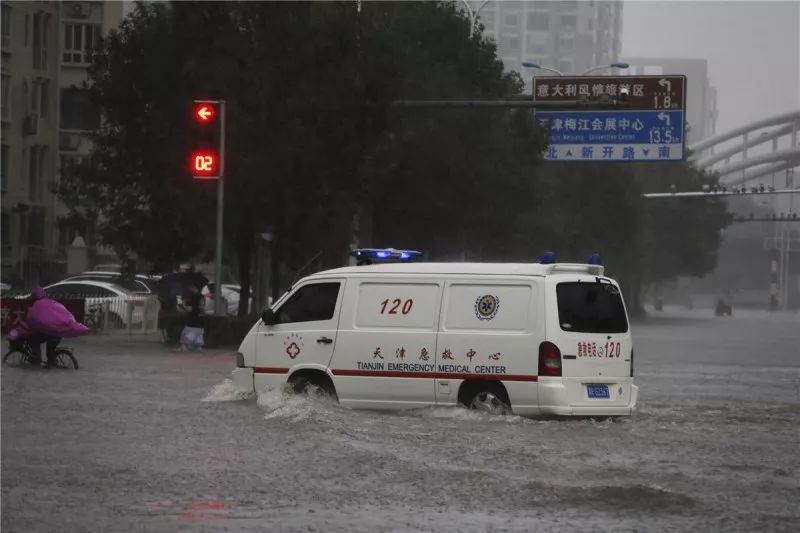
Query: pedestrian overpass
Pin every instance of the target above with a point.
(742, 155)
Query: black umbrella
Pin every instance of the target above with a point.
(180, 283)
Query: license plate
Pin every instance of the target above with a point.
(597, 391)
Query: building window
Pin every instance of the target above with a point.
(5, 231)
(4, 168)
(6, 24)
(41, 23)
(36, 171)
(5, 111)
(44, 94)
(512, 20)
(36, 225)
(569, 21)
(80, 42)
(77, 110)
(538, 21)
(566, 44)
(536, 48)
(510, 44)
(33, 174)
(34, 105)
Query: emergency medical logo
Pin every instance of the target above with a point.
(294, 344)
(486, 306)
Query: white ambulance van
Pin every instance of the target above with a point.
(532, 339)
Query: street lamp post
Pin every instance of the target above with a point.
(473, 15)
(532, 64)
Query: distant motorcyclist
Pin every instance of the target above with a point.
(47, 322)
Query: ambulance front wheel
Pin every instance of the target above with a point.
(490, 398)
(313, 383)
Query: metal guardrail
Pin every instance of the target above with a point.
(134, 314)
(128, 315)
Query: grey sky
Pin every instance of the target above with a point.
(752, 48)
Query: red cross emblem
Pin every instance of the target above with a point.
(293, 350)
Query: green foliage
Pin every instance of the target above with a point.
(312, 143)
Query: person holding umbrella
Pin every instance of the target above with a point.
(192, 335)
(171, 288)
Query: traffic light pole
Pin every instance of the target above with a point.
(218, 311)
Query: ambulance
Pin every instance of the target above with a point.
(531, 339)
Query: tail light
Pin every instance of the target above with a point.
(631, 362)
(549, 359)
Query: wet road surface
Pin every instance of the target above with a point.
(127, 443)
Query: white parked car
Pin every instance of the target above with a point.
(230, 295)
(138, 285)
(98, 295)
(533, 339)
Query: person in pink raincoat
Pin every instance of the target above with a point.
(48, 322)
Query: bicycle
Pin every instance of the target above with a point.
(20, 354)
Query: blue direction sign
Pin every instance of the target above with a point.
(613, 135)
(650, 128)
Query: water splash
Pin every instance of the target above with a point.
(313, 404)
(226, 392)
(459, 413)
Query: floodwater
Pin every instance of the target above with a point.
(141, 439)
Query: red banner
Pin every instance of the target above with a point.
(13, 310)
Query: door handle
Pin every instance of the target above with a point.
(324, 340)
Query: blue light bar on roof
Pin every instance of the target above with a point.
(548, 258)
(369, 255)
(594, 259)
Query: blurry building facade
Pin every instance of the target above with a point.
(30, 68)
(568, 36)
(46, 119)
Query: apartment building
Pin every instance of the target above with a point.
(47, 48)
(568, 36)
(30, 69)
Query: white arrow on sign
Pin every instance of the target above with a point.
(665, 83)
(663, 116)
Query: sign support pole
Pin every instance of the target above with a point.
(218, 311)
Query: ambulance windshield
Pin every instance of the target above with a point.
(591, 308)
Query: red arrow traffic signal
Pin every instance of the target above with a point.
(204, 112)
(205, 136)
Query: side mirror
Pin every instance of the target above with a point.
(268, 316)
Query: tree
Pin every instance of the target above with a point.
(308, 87)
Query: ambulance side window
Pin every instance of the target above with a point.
(313, 302)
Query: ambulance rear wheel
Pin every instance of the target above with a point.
(490, 398)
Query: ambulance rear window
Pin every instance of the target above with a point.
(591, 308)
